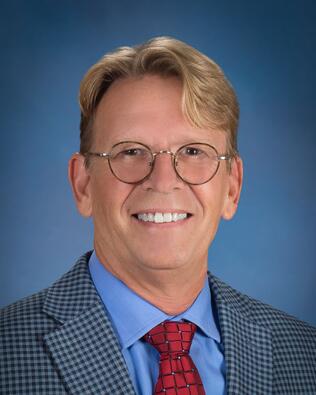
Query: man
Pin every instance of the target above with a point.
(158, 168)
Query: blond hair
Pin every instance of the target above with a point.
(208, 99)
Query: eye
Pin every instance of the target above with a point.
(192, 151)
(132, 152)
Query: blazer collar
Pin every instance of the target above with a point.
(84, 347)
(247, 345)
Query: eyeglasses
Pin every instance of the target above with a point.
(133, 162)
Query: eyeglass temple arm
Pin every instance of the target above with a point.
(225, 157)
(99, 154)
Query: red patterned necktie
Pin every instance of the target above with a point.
(177, 372)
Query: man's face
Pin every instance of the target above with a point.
(148, 110)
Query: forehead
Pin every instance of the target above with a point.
(146, 109)
(135, 98)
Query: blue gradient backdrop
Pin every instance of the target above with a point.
(267, 50)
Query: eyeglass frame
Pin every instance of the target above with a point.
(107, 155)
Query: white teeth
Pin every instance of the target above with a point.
(160, 218)
(167, 217)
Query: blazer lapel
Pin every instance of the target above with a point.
(247, 345)
(84, 348)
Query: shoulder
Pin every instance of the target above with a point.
(23, 314)
(258, 311)
(34, 310)
(29, 319)
(288, 332)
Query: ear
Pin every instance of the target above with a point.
(235, 178)
(79, 179)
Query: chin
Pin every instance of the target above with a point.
(164, 260)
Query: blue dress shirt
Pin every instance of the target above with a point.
(133, 317)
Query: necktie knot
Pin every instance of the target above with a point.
(171, 337)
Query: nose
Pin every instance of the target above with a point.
(163, 177)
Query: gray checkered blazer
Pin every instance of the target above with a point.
(61, 341)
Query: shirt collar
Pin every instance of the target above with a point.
(133, 316)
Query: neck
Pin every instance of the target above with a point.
(171, 290)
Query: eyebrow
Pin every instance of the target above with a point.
(178, 144)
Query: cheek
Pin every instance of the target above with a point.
(108, 198)
(211, 197)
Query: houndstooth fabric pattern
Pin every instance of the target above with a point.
(61, 341)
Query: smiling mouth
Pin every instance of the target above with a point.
(161, 218)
